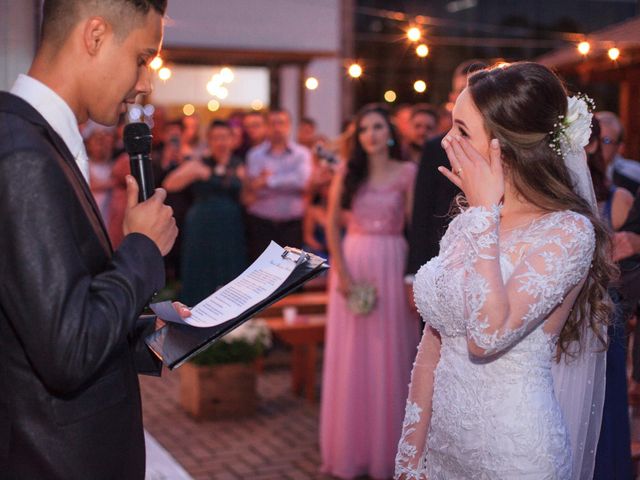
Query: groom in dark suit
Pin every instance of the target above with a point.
(434, 193)
(70, 338)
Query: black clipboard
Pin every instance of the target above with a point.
(175, 343)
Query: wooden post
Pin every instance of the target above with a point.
(274, 86)
(302, 91)
(347, 52)
(629, 107)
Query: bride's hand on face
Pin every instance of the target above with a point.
(481, 179)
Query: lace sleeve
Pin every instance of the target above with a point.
(412, 447)
(498, 313)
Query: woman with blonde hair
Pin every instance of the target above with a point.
(508, 380)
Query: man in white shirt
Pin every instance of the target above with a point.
(70, 338)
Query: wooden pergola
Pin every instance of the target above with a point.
(596, 66)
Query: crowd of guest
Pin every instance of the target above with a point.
(242, 183)
(374, 201)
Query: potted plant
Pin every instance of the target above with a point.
(220, 382)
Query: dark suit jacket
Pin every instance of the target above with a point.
(69, 332)
(632, 224)
(434, 195)
(625, 182)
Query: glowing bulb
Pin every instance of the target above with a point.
(614, 53)
(420, 86)
(390, 96)
(257, 105)
(156, 63)
(355, 70)
(422, 50)
(227, 75)
(213, 105)
(135, 113)
(188, 109)
(584, 47)
(149, 110)
(222, 93)
(164, 73)
(414, 34)
(311, 83)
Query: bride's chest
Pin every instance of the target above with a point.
(442, 283)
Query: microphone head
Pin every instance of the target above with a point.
(137, 138)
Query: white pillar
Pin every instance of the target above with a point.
(324, 103)
(18, 32)
(289, 91)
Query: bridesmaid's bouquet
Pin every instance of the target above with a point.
(362, 298)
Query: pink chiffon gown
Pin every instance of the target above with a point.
(368, 359)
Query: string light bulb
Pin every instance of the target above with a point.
(311, 83)
(213, 105)
(614, 53)
(584, 47)
(222, 93)
(420, 86)
(414, 34)
(390, 96)
(227, 75)
(355, 70)
(188, 109)
(165, 73)
(422, 50)
(156, 63)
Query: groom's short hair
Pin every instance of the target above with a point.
(59, 17)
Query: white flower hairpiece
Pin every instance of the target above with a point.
(572, 131)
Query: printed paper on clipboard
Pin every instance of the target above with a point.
(254, 285)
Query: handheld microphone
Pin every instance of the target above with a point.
(137, 143)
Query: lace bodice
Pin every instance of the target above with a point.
(497, 301)
(375, 209)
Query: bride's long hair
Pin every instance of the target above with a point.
(520, 104)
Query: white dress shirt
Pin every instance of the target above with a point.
(57, 113)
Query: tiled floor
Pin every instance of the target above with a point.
(279, 442)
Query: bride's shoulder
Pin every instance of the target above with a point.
(571, 227)
(570, 221)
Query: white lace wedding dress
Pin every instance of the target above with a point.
(481, 402)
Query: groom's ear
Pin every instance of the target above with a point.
(94, 34)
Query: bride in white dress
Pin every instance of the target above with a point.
(516, 299)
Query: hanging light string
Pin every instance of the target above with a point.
(552, 39)
(478, 27)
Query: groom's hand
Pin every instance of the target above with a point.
(182, 310)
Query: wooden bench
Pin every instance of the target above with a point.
(304, 336)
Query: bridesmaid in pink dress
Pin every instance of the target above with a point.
(368, 358)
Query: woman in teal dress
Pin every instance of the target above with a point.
(213, 250)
